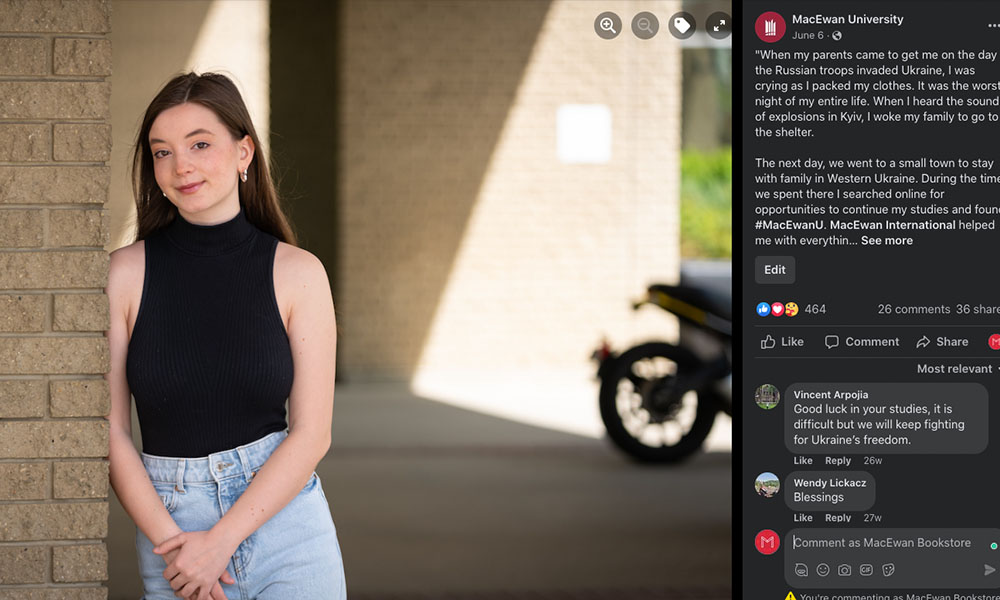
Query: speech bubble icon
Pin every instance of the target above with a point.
(832, 341)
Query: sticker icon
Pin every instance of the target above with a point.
(764, 309)
(777, 309)
(791, 309)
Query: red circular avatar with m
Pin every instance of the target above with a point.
(767, 542)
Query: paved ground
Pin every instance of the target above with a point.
(434, 501)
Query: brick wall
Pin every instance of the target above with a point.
(55, 142)
(464, 242)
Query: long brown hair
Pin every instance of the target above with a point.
(258, 196)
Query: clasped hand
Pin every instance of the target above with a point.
(196, 563)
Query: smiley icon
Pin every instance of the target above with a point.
(777, 309)
(791, 309)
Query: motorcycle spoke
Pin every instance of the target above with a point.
(638, 422)
(653, 368)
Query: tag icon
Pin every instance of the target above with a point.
(682, 25)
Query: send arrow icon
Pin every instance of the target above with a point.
(988, 569)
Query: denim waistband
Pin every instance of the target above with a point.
(242, 461)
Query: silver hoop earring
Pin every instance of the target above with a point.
(243, 175)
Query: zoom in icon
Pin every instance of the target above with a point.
(608, 25)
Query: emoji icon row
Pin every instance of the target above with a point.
(777, 309)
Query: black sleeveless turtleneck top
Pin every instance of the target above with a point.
(209, 362)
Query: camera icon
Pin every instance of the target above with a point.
(844, 570)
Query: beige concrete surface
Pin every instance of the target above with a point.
(434, 501)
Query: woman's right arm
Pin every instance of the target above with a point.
(128, 475)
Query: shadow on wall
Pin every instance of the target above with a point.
(427, 90)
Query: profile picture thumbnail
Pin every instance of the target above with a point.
(767, 485)
(770, 27)
(767, 396)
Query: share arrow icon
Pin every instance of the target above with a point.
(988, 570)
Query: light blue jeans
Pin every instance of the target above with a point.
(295, 554)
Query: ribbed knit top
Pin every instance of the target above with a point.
(209, 361)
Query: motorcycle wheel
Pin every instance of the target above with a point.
(647, 411)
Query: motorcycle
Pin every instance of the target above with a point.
(658, 400)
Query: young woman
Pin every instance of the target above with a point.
(216, 319)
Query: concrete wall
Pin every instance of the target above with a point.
(55, 60)
(464, 242)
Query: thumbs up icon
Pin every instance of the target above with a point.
(767, 343)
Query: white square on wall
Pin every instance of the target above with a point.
(583, 133)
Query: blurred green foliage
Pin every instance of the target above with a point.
(707, 203)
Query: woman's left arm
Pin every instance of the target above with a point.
(312, 335)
